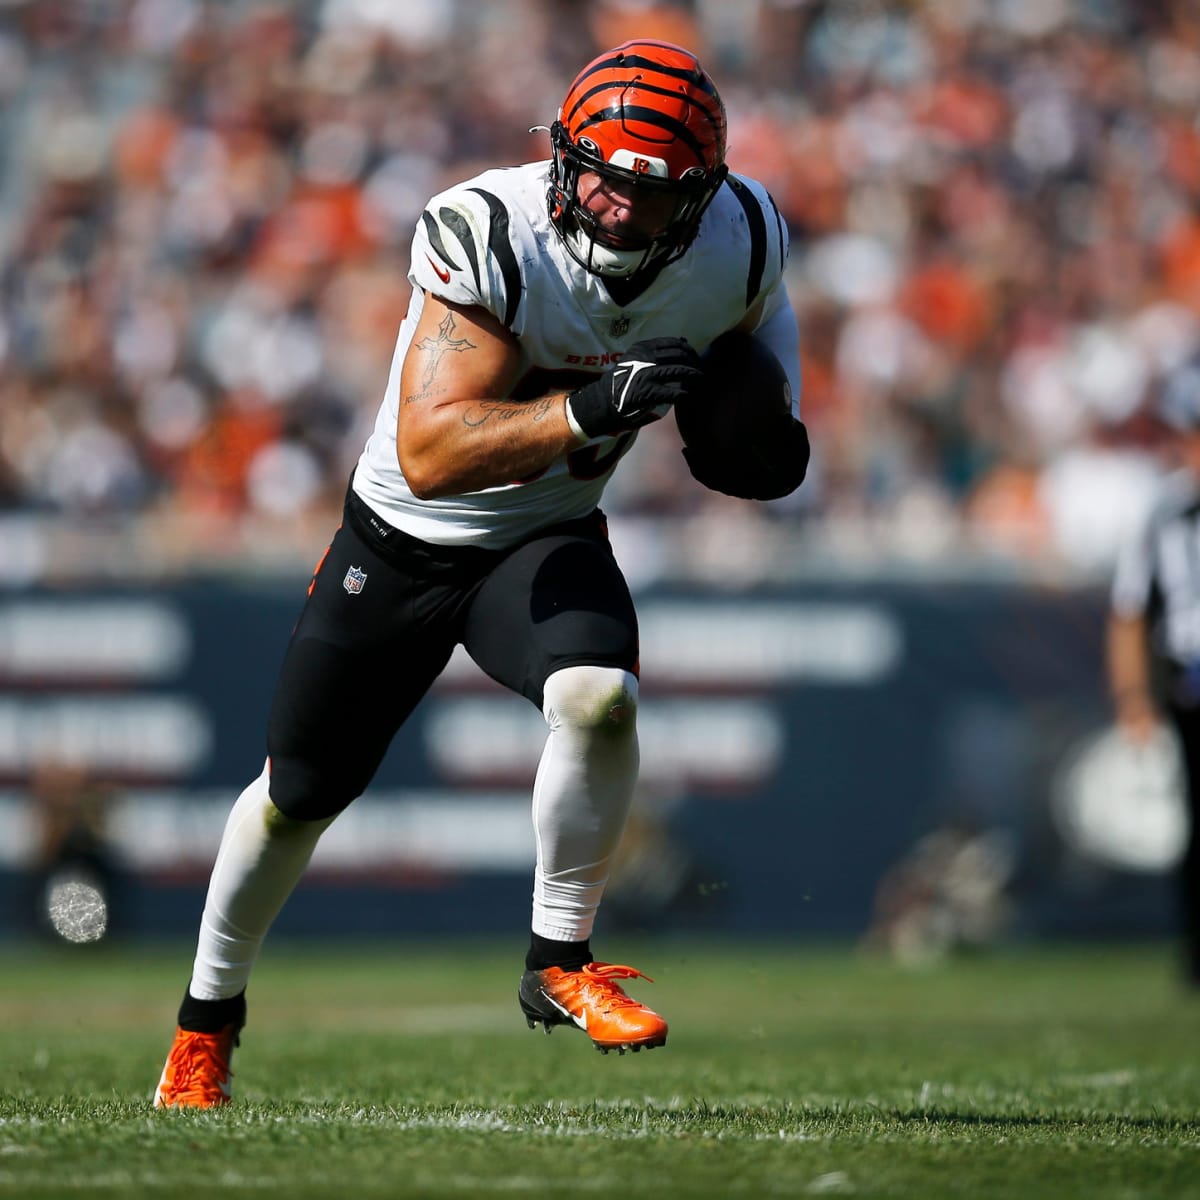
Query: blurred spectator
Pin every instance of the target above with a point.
(205, 213)
(76, 877)
(951, 893)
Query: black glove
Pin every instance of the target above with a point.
(640, 388)
(762, 470)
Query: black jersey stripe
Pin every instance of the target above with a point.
(758, 237)
(778, 230)
(435, 240)
(674, 130)
(457, 224)
(501, 249)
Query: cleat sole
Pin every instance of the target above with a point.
(533, 1019)
(632, 1047)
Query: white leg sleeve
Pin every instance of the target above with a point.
(581, 795)
(262, 856)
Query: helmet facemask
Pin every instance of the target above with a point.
(601, 252)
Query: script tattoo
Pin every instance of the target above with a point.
(506, 410)
(434, 350)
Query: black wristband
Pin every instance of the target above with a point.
(587, 408)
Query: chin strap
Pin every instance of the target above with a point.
(603, 260)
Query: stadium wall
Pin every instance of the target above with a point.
(924, 763)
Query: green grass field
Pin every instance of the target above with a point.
(388, 1070)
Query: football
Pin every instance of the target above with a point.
(748, 394)
(740, 437)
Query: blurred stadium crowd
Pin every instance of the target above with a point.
(206, 207)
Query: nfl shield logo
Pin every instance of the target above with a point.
(355, 578)
(619, 326)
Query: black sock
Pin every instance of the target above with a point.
(211, 1016)
(545, 952)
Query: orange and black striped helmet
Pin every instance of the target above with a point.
(647, 114)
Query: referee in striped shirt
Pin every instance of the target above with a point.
(1153, 641)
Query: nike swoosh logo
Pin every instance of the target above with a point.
(623, 376)
(444, 276)
(566, 1012)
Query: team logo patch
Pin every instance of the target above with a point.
(619, 326)
(355, 578)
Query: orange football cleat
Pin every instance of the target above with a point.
(197, 1071)
(592, 999)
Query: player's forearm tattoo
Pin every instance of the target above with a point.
(434, 350)
(506, 410)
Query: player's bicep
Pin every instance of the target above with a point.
(458, 356)
(458, 353)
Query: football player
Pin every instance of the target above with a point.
(557, 308)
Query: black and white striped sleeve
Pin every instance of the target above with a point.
(765, 261)
(462, 252)
(767, 236)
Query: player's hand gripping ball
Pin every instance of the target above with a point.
(740, 437)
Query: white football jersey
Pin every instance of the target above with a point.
(489, 242)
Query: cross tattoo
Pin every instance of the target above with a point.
(436, 348)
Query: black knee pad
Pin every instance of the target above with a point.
(305, 792)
